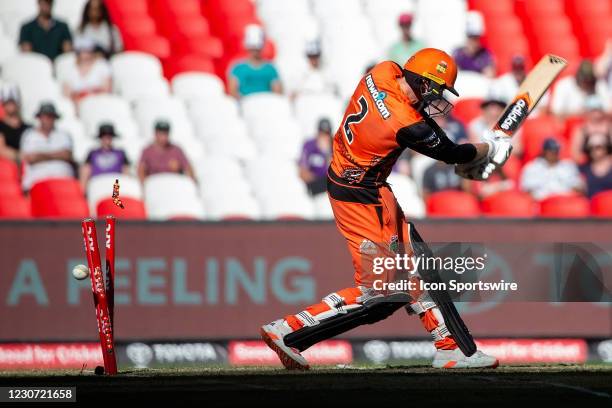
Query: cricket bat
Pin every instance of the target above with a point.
(533, 87)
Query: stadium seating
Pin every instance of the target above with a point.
(537, 129)
(172, 196)
(101, 187)
(58, 198)
(9, 173)
(452, 203)
(565, 206)
(197, 85)
(601, 204)
(467, 109)
(509, 204)
(133, 209)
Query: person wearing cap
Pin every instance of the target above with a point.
(162, 156)
(473, 56)
(314, 78)
(106, 158)
(548, 175)
(595, 122)
(253, 74)
(45, 34)
(89, 74)
(570, 94)
(407, 45)
(12, 125)
(597, 171)
(315, 158)
(46, 150)
(490, 110)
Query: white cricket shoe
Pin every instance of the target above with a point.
(273, 335)
(456, 359)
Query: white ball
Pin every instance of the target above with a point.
(80, 272)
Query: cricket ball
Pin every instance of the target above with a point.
(80, 272)
(99, 370)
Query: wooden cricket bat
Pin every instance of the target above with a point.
(539, 79)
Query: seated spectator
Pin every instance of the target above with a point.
(45, 35)
(105, 159)
(97, 25)
(46, 151)
(497, 181)
(505, 87)
(438, 177)
(407, 45)
(491, 109)
(548, 175)
(571, 93)
(315, 159)
(452, 127)
(253, 74)
(89, 75)
(473, 56)
(596, 122)
(162, 156)
(597, 172)
(315, 79)
(12, 125)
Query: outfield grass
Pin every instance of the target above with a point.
(323, 386)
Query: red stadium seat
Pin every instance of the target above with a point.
(509, 204)
(601, 204)
(565, 206)
(133, 209)
(452, 203)
(155, 45)
(9, 172)
(209, 47)
(58, 198)
(188, 63)
(539, 8)
(535, 131)
(467, 109)
(497, 7)
(14, 207)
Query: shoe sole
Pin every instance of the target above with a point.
(288, 362)
(451, 365)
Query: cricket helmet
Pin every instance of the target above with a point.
(430, 72)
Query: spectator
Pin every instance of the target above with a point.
(596, 122)
(315, 79)
(438, 177)
(491, 109)
(89, 74)
(505, 87)
(45, 35)
(452, 127)
(407, 45)
(97, 25)
(315, 159)
(547, 175)
(253, 74)
(570, 94)
(603, 64)
(162, 156)
(105, 159)
(12, 125)
(473, 56)
(46, 150)
(597, 172)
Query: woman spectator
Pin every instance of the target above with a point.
(89, 75)
(12, 125)
(597, 172)
(596, 122)
(96, 24)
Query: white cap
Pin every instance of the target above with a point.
(474, 24)
(84, 44)
(313, 47)
(253, 37)
(10, 92)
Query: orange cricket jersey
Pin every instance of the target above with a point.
(365, 146)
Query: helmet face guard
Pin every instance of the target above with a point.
(430, 92)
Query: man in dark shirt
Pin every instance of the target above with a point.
(45, 35)
(11, 125)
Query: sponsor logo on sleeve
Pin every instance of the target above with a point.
(378, 96)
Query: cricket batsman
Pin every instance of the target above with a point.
(390, 110)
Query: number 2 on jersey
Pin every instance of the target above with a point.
(355, 118)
